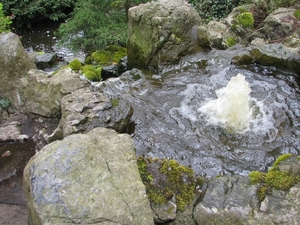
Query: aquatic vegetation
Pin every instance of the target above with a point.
(274, 178)
(165, 179)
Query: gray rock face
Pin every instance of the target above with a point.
(161, 32)
(85, 109)
(14, 63)
(87, 179)
(45, 60)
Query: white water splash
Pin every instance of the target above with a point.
(231, 108)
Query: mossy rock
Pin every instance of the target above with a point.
(165, 179)
(112, 54)
(245, 19)
(75, 65)
(277, 177)
(93, 73)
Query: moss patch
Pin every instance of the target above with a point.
(112, 54)
(245, 19)
(165, 179)
(297, 14)
(274, 178)
(91, 72)
(231, 41)
(75, 65)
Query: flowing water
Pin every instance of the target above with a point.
(167, 122)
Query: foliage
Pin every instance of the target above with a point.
(27, 11)
(297, 14)
(75, 65)
(115, 103)
(5, 21)
(274, 178)
(4, 103)
(245, 19)
(93, 73)
(95, 24)
(165, 179)
(214, 10)
(231, 41)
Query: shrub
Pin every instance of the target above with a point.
(5, 21)
(75, 65)
(245, 19)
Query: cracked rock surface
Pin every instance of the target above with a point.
(86, 179)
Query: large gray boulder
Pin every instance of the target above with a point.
(14, 63)
(161, 32)
(87, 179)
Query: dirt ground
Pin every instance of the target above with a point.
(13, 214)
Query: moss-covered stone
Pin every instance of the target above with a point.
(231, 41)
(274, 178)
(91, 72)
(112, 54)
(165, 179)
(75, 65)
(245, 19)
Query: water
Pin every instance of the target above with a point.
(231, 108)
(167, 123)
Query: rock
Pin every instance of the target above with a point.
(14, 63)
(109, 71)
(161, 32)
(12, 132)
(45, 60)
(123, 65)
(87, 179)
(85, 109)
(45, 98)
(278, 25)
(215, 30)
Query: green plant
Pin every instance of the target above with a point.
(245, 19)
(231, 41)
(111, 54)
(4, 103)
(5, 21)
(297, 14)
(75, 65)
(256, 177)
(115, 103)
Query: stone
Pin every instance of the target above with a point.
(160, 32)
(109, 71)
(84, 109)
(45, 60)
(87, 179)
(14, 63)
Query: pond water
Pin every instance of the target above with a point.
(167, 122)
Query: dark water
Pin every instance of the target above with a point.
(167, 123)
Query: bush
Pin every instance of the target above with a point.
(5, 21)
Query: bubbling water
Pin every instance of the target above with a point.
(231, 108)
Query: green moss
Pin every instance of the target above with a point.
(88, 60)
(75, 65)
(112, 54)
(274, 178)
(231, 41)
(281, 180)
(256, 177)
(165, 179)
(91, 72)
(245, 19)
(297, 14)
(114, 102)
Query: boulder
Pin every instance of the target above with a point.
(45, 98)
(278, 25)
(14, 63)
(160, 32)
(44, 60)
(109, 71)
(84, 109)
(87, 179)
